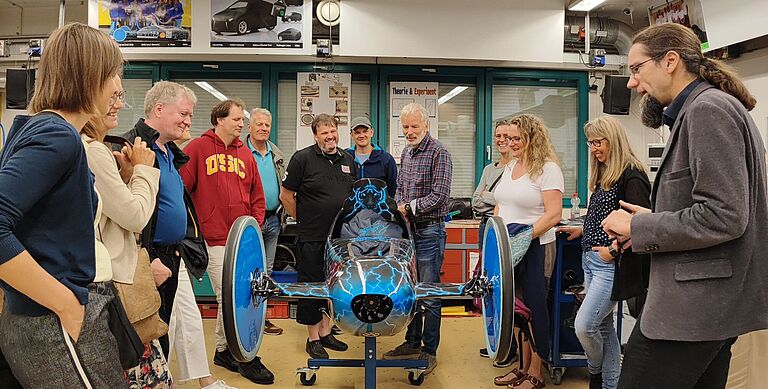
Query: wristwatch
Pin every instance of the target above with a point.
(408, 209)
(614, 253)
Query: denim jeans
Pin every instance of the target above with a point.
(425, 326)
(594, 320)
(270, 231)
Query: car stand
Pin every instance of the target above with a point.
(415, 367)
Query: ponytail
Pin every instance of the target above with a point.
(724, 78)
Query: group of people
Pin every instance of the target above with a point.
(686, 252)
(80, 214)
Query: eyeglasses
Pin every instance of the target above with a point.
(595, 142)
(634, 69)
(117, 96)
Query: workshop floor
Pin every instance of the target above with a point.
(459, 364)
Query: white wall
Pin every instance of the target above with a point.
(491, 29)
(753, 68)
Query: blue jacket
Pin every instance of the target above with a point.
(380, 165)
(47, 206)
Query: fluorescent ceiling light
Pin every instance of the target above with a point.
(210, 89)
(451, 94)
(584, 5)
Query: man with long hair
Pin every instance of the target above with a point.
(708, 217)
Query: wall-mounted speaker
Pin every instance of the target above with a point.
(616, 95)
(19, 86)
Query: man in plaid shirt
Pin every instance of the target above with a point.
(423, 191)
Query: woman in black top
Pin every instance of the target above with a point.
(615, 174)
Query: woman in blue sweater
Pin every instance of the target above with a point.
(54, 330)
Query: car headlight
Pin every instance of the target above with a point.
(230, 19)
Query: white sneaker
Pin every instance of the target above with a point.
(220, 384)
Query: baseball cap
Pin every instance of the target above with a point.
(360, 121)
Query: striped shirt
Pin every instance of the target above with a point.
(424, 179)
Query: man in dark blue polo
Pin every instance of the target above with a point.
(371, 161)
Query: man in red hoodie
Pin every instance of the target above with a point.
(223, 180)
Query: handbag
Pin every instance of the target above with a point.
(129, 346)
(141, 301)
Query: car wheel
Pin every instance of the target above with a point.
(242, 27)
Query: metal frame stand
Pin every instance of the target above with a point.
(415, 367)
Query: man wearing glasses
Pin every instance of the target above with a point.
(707, 224)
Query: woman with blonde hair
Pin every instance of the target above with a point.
(609, 274)
(126, 210)
(530, 192)
(54, 329)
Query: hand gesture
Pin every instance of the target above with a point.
(140, 154)
(160, 272)
(602, 251)
(572, 231)
(72, 317)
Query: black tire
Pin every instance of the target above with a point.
(557, 375)
(242, 27)
(305, 381)
(415, 381)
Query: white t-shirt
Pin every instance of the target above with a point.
(520, 200)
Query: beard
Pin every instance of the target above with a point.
(652, 112)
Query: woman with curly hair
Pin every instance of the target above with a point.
(531, 192)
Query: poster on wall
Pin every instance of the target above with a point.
(322, 93)
(147, 23)
(326, 20)
(687, 13)
(258, 23)
(402, 94)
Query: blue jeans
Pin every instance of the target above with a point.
(270, 232)
(594, 320)
(425, 326)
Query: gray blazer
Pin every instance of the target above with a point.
(709, 226)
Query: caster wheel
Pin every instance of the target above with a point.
(415, 381)
(307, 382)
(557, 376)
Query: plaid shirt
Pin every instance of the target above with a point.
(425, 179)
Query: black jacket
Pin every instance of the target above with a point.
(192, 248)
(632, 269)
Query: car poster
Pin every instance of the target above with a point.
(147, 23)
(402, 94)
(318, 93)
(258, 23)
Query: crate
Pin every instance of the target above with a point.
(277, 310)
(208, 311)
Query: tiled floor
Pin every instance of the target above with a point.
(459, 365)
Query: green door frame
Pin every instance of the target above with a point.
(143, 71)
(470, 75)
(552, 78)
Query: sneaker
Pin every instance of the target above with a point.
(403, 351)
(507, 363)
(219, 385)
(484, 352)
(271, 329)
(226, 360)
(336, 330)
(256, 372)
(330, 341)
(431, 362)
(315, 350)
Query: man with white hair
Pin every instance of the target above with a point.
(423, 191)
(168, 109)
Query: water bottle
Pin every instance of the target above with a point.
(575, 206)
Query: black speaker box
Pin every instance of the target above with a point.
(616, 95)
(19, 86)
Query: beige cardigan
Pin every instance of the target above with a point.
(126, 208)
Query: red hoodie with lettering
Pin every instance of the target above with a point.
(224, 183)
